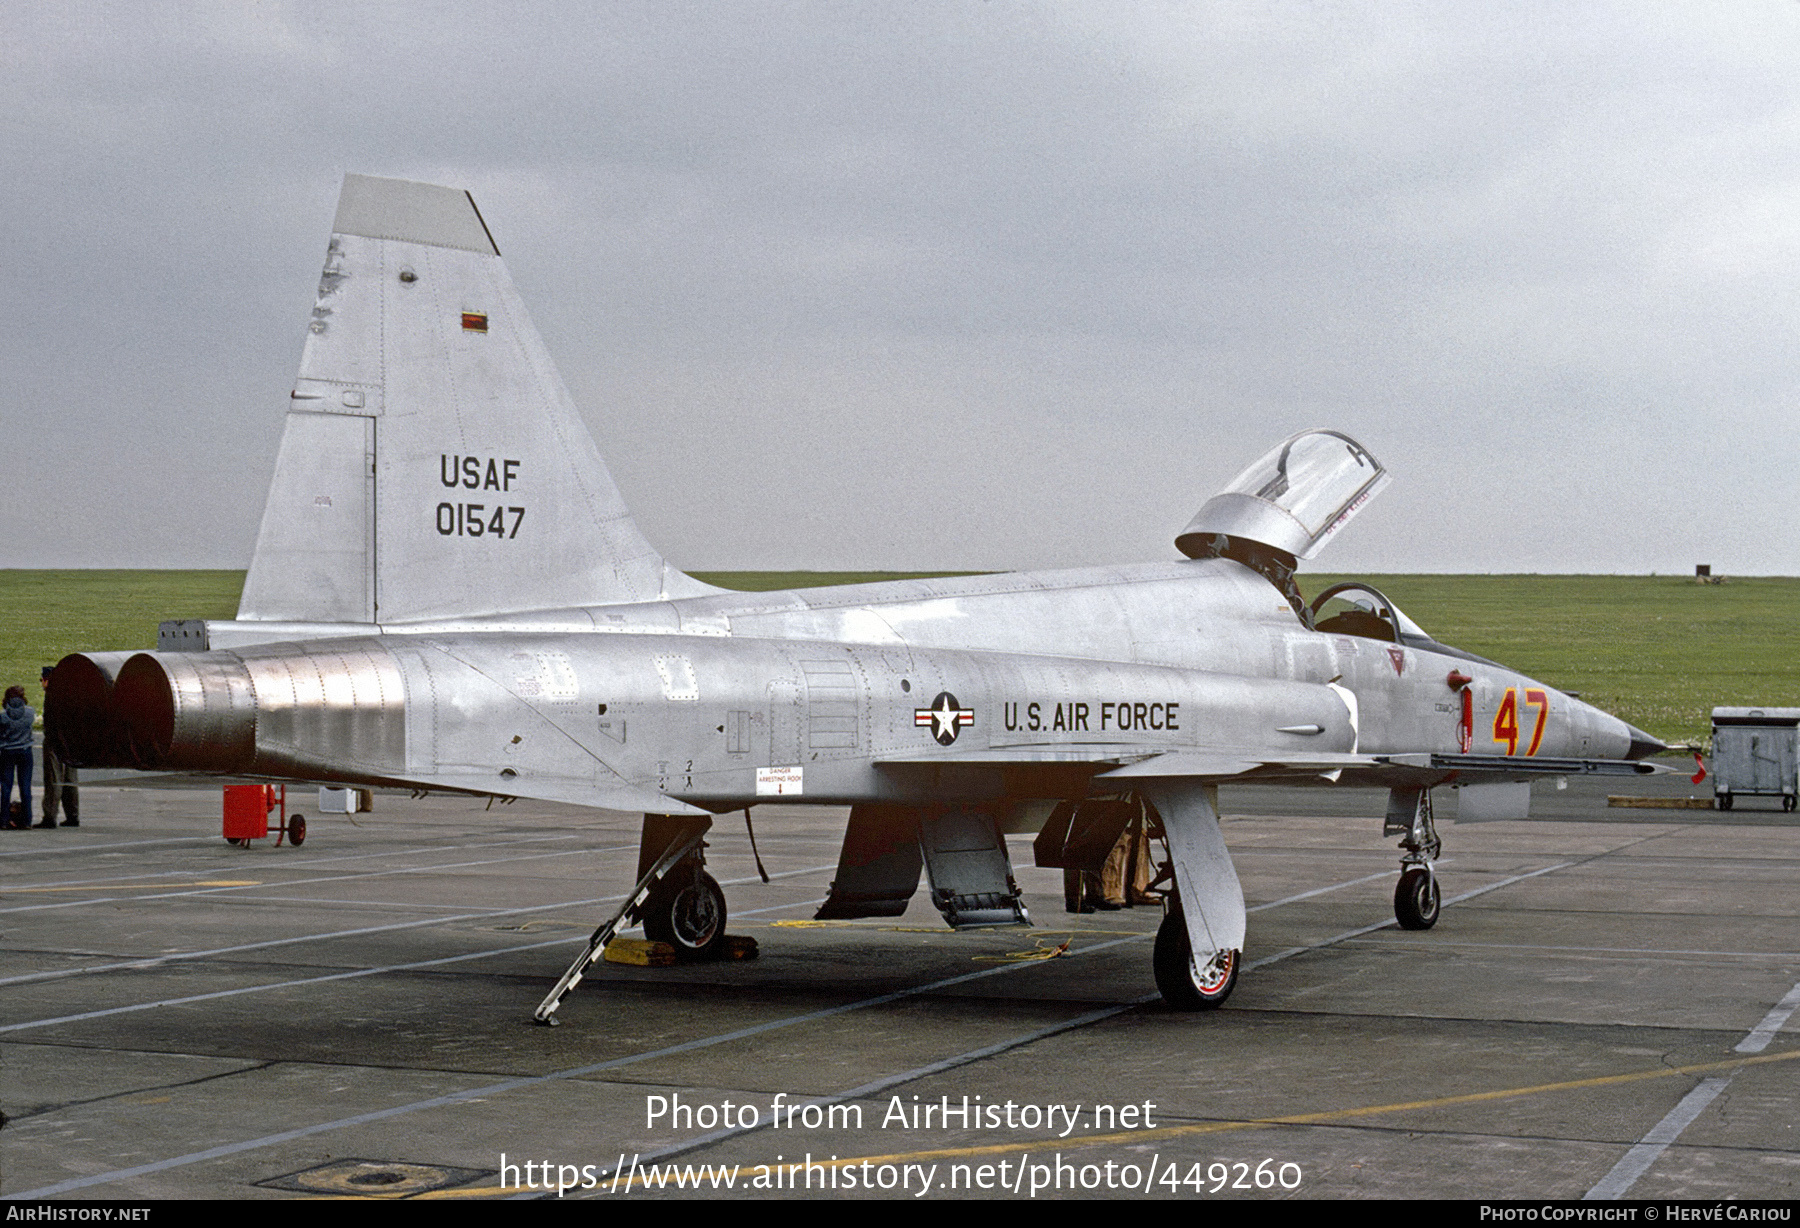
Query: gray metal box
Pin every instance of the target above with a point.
(1755, 753)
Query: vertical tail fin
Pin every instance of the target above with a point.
(433, 464)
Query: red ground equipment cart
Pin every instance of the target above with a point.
(247, 810)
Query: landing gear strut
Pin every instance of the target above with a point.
(1416, 898)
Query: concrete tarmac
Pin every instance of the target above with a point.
(1604, 1008)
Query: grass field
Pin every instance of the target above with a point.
(1660, 652)
(49, 614)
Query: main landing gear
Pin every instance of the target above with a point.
(686, 909)
(1416, 897)
(1199, 946)
(676, 899)
(1183, 986)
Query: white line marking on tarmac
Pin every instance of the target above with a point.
(1764, 1032)
(298, 882)
(295, 863)
(709, 1042)
(155, 960)
(867, 1089)
(565, 940)
(311, 980)
(510, 1085)
(1638, 1160)
(333, 902)
(1360, 930)
(1507, 882)
(1779, 956)
(95, 848)
(1307, 895)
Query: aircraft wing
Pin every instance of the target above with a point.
(1139, 761)
(1468, 768)
(1125, 762)
(1521, 766)
(1183, 763)
(575, 792)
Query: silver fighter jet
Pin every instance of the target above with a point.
(448, 593)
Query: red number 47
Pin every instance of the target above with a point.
(1506, 720)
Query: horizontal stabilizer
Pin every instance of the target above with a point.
(571, 790)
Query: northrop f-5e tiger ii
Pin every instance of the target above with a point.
(449, 594)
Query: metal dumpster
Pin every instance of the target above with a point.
(1755, 753)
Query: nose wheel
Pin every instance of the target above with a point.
(1416, 899)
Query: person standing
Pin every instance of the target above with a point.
(60, 780)
(16, 718)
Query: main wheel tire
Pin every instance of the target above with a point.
(1174, 966)
(1787, 803)
(1416, 899)
(687, 911)
(1724, 801)
(296, 830)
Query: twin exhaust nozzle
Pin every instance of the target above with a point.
(276, 710)
(166, 712)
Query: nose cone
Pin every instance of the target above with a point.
(1604, 735)
(1643, 745)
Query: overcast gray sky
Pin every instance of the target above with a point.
(809, 269)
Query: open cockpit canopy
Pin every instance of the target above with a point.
(1292, 498)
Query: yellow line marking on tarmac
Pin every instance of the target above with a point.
(1039, 951)
(1216, 1127)
(1168, 1132)
(1329, 1115)
(222, 882)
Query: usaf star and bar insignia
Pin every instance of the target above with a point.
(945, 717)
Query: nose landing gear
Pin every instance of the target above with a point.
(1416, 897)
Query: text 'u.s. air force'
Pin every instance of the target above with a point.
(1037, 717)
